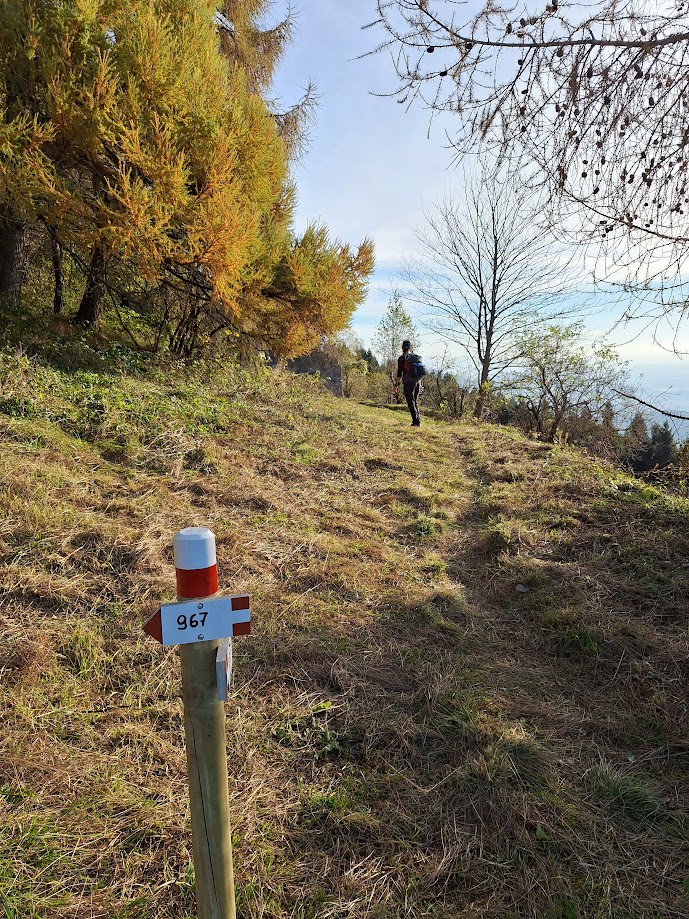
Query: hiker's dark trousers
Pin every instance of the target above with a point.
(411, 394)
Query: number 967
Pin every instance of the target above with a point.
(193, 621)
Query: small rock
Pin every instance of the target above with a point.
(522, 589)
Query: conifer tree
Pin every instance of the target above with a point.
(661, 450)
(393, 328)
(257, 48)
(150, 149)
(313, 290)
(156, 162)
(298, 287)
(637, 432)
(635, 442)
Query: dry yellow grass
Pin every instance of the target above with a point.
(408, 735)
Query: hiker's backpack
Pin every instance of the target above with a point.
(414, 367)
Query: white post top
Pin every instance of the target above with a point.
(194, 548)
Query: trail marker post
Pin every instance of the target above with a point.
(203, 625)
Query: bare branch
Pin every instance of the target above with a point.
(587, 104)
(661, 411)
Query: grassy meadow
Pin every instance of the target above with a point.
(465, 694)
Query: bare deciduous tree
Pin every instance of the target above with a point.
(485, 273)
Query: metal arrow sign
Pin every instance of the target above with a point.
(200, 620)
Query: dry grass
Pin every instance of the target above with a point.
(408, 735)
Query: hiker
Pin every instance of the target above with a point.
(409, 371)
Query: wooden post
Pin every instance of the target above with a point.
(204, 729)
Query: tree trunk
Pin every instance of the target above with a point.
(12, 262)
(59, 272)
(91, 305)
(481, 400)
(483, 383)
(184, 338)
(438, 386)
(393, 397)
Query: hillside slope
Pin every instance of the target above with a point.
(409, 734)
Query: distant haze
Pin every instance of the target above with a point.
(667, 386)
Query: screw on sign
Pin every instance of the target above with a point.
(203, 625)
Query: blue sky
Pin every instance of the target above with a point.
(371, 167)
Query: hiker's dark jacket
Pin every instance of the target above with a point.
(401, 372)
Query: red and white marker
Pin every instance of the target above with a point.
(199, 616)
(196, 566)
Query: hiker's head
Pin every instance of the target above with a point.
(406, 345)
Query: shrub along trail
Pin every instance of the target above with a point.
(409, 734)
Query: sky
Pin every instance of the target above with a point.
(372, 166)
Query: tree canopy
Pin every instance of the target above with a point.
(124, 127)
(563, 375)
(313, 289)
(140, 135)
(254, 44)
